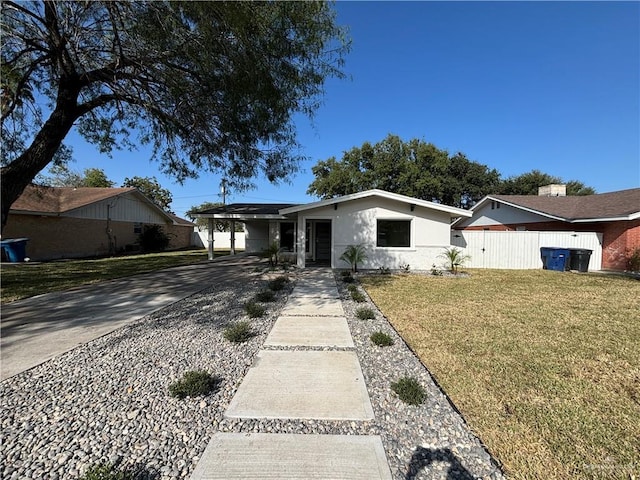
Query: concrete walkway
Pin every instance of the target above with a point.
(37, 329)
(301, 384)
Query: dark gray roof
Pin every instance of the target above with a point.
(248, 209)
(603, 205)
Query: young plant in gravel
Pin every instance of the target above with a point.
(278, 283)
(381, 339)
(352, 288)
(348, 278)
(358, 297)
(365, 313)
(194, 383)
(106, 471)
(409, 390)
(266, 295)
(238, 332)
(254, 310)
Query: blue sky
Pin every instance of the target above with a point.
(553, 86)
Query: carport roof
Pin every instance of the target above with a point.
(246, 211)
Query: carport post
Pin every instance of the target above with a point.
(210, 238)
(233, 237)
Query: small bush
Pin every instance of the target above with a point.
(278, 283)
(435, 272)
(194, 383)
(384, 270)
(106, 471)
(409, 390)
(352, 288)
(238, 332)
(358, 297)
(348, 278)
(153, 239)
(405, 268)
(381, 339)
(365, 313)
(633, 260)
(265, 296)
(254, 310)
(345, 273)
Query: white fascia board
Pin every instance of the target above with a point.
(237, 216)
(633, 216)
(454, 211)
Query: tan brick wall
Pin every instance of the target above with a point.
(64, 237)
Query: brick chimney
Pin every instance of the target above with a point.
(553, 190)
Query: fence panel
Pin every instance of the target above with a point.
(521, 250)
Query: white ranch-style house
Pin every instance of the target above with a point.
(395, 229)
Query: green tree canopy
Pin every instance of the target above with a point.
(63, 176)
(414, 168)
(528, 183)
(151, 189)
(209, 85)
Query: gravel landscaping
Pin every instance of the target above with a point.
(108, 400)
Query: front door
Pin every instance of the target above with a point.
(323, 241)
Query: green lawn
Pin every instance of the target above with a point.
(544, 366)
(29, 279)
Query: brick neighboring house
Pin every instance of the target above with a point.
(616, 215)
(67, 222)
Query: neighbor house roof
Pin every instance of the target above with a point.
(245, 210)
(41, 200)
(453, 211)
(601, 207)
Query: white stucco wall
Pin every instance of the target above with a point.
(505, 215)
(354, 222)
(257, 236)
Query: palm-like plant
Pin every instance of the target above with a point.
(454, 258)
(353, 255)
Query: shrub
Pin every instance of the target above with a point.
(345, 273)
(633, 260)
(278, 283)
(405, 268)
(353, 255)
(153, 239)
(352, 288)
(238, 332)
(381, 339)
(272, 254)
(384, 270)
(409, 390)
(365, 313)
(254, 310)
(194, 383)
(265, 296)
(358, 297)
(454, 258)
(106, 471)
(348, 278)
(435, 271)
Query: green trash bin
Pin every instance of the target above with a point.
(579, 259)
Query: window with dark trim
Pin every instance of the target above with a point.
(287, 236)
(394, 233)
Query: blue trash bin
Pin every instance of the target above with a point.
(554, 258)
(15, 249)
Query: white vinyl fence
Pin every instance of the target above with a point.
(221, 240)
(521, 250)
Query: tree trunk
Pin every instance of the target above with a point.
(15, 177)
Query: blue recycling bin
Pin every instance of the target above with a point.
(15, 249)
(555, 258)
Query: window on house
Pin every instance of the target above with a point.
(287, 236)
(394, 233)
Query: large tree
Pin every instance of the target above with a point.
(209, 85)
(63, 176)
(151, 189)
(528, 183)
(413, 168)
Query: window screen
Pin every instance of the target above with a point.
(394, 233)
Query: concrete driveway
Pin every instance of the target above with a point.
(37, 329)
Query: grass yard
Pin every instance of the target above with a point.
(544, 366)
(29, 279)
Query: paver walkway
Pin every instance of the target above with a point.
(322, 384)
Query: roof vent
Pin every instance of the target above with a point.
(553, 190)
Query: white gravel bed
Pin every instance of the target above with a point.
(108, 400)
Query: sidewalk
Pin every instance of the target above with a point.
(306, 370)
